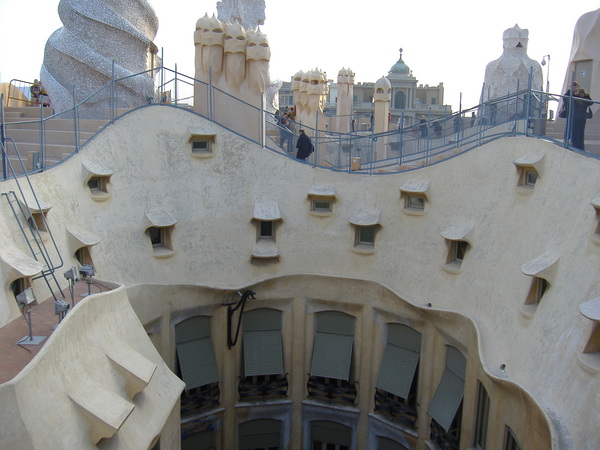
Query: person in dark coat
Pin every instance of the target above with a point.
(581, 102)
(304, 146)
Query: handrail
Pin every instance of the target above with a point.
(515, 113)
(12, 87)
(34, 196)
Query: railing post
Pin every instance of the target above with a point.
(3, 136)
(340, 150)
(517, 105)
(176, 96)
(316, 154)
(527, 112)
(262, 117)
(112, 93)
(401, 138)
(428, 139)
(459, 121)
(569, 127)
(76, 121)
(42, 137)
(210, 96)
(162, 74)
(371, 149)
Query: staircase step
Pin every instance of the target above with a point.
(50, 137)
(31, 112)
(88, 125)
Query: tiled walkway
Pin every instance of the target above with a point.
(14, 357)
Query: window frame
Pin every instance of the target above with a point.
(98, 186)
(201, 146)
(328, 330)
(196, 331)
(38, 220)
(539, 288)
(360, 235)
(162, 244)
(101, 183)
(157, 236)
(321, 200)
(321, 438)
(527, 167)
(510, 440)
(326, 209)
(409, 203)
(84, 256)
(482, 410)
(459, 251)
(207, 147)
(414, 193)
(530, 177)
(266, 323)
(266, 230)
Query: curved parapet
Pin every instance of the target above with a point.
(97, 35)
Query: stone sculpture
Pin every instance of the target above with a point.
(299, 90)
(95, 34)
(250, 14)
(381, 98)
(235, 61)
(345, 99)
(310, 92)
(511, 71)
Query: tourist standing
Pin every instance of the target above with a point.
(304, 146)
(575, 128)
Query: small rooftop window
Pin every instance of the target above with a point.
(414, 194)
(202, 144)
(543, 272)
(321, 200)
(529, 170)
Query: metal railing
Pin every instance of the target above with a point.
(19, 202)
(359, 151)
(20, 94)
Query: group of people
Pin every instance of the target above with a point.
(581, 102)
(286, 124)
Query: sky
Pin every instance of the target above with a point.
(442, 41)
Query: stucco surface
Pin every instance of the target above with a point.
(212, 201)
(46, 400)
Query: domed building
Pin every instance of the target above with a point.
(404, 85)
(409, 99)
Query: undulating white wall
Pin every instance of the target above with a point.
(212, 200)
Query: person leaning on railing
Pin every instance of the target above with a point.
(581, 102)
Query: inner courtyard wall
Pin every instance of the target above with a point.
(212, 199)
